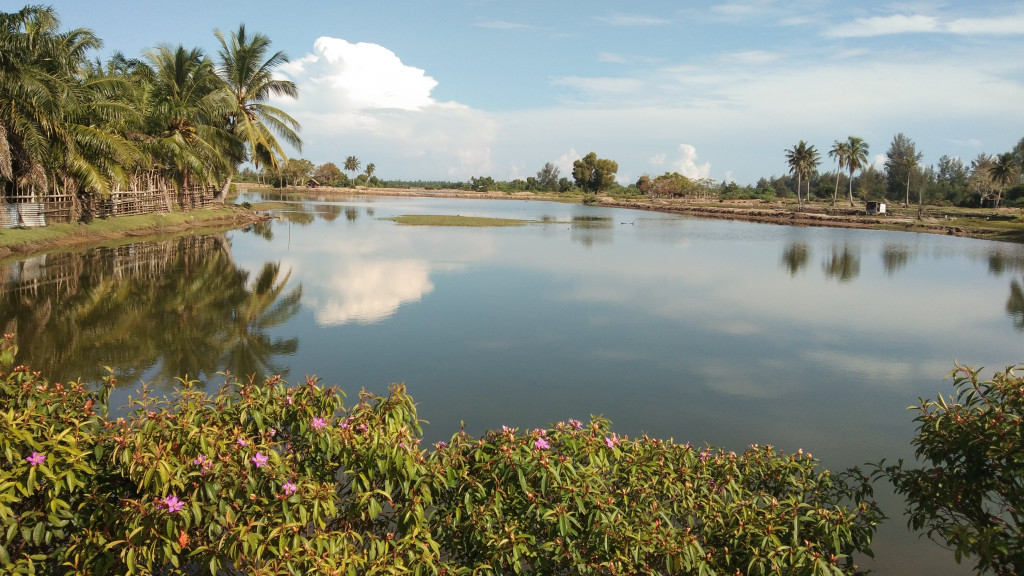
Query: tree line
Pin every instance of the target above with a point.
(176, 115)
(988, 179)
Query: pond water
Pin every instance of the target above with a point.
(704, 331)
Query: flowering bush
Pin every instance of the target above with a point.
(264, 478)
(582, 500)
(969, 496)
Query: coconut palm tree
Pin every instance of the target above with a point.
(249, 73)
(839, 152)
(188, 105)
(1003, 171)
(796, 158)
(370, 169)
(52, 114)
(811, 160)
(856, 158)
(352, 164)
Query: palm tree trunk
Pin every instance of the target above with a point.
(906, 203)
(220, 196)
(835, 193)
(798, 181)
(851, 188)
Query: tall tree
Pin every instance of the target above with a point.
(901, 160)
(856, 158)
(189, 103)
(839, 152)
(52, 113)
(979, 183)
(811, 160)
(249, 74)
(800, 159)
(370, 169)
(594, 174)
(352, 164)
(547, 177)
(1003, 171)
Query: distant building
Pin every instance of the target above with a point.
(875, 208)
(311, 183)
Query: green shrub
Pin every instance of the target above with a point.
(267, 478)
(969, 497)
(578, 499)
(48, 459)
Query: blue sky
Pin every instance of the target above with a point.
(448, 89)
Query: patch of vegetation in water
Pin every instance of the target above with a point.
(448, 220)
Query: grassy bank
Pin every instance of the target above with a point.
(23, 241)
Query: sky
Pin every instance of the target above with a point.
(450, 89)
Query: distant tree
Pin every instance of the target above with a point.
(901, 160)
(296, 171)
(370, 169)
(594, 174)
(328, 174)
(668, 185)
(802, 159)
(352, 164)
(811, 160)
(481, 184)
(871, 183)
(547, 178)
(564, 184)
(979, 183)
(1003, 171)
(856, 158)
(839, 152)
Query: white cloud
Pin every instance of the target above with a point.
(502, 25)
(687, 164)
(882, 25)
(361, 98)
(365, 291)
(632, 20)
(658, 159)
(919, 23)
(365, 75)
(565, 162)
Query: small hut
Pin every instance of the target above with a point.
(311, 183)
(874, 208)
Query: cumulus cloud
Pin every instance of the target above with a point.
(361, 98)
(369, 291)
(687, 164)
(565, 162)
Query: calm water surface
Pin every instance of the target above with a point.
(704, 331)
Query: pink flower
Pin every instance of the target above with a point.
(611, 441)
(319, 423)
(344, 423)
(36, 459)
(289, 488)
(259, 460)
(242, 441)
(576, 424)
(200, 460)
(173, 504)
(541, 443)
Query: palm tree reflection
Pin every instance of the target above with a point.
(155, 310)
